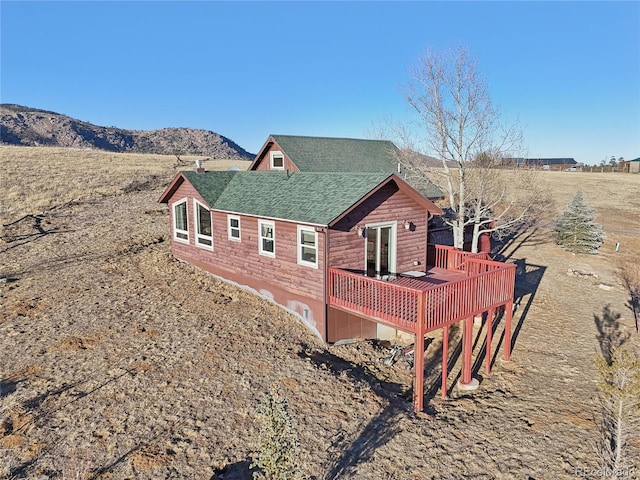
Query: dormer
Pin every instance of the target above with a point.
(273, 157)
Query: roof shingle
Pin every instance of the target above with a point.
(322, 154)
(325, 154)
(309, 197)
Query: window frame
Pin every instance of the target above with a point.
(196, 228)
(178, 231)
(300, 246)
(230, 228)
(276, 153)
(261, 249)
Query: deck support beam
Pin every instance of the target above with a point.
(466, 350)
(489, 338)
(466, 382)
(507, 337)
(445, 361)
(418, 364)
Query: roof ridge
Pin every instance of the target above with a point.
(297, 172)
(330, 138)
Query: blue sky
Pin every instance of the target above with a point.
(568, 72)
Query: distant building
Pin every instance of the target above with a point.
(631, 166)
(559, 164)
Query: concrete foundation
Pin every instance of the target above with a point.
(472, 385)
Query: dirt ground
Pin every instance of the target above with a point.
(120, 362)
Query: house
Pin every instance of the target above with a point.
(325, 154)
(344, 251)
(279, 233)
(631, 166)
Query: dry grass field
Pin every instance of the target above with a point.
(37, 178)
(120, 362)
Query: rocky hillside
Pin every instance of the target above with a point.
(29, 126)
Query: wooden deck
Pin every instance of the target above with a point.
(461, 286)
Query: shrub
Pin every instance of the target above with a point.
(278, 445)
(576, 230)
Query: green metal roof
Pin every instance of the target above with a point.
(308, 197)
(323, 154)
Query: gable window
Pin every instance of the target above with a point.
(266, 235)
(204, 237)
(180, 224)
(277, 161)
(307, 246)
(234, 227)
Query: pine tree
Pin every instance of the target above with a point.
(278, 445)
(620, 400)
(576, 230)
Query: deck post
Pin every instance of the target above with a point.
(489, 334)
(418, 388)
(418, 364)
(507, 337)
(445, 360)
(466, 382)
(466, 350)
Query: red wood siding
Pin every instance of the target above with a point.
(347, 250)
(297, 287)
(342, 325)
(264, 163)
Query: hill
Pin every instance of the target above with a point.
(26, 126)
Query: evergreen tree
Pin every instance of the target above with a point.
(620, 401)
(576, 230)
(278, 449)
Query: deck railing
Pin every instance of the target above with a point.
(376, 299)
(473, 295)
(451, 258)
(488, 284)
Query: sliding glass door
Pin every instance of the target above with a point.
(380, 257)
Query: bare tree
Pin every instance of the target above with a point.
(629, 275)
(459, 124)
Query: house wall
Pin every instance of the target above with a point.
(265, 162)
(347, 249)
(343, 325)
(299, 288)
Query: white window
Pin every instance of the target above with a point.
(234, 227)
(266, 238)
(180, 222)
(277, 161)
(307, 246)
(204, 236)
